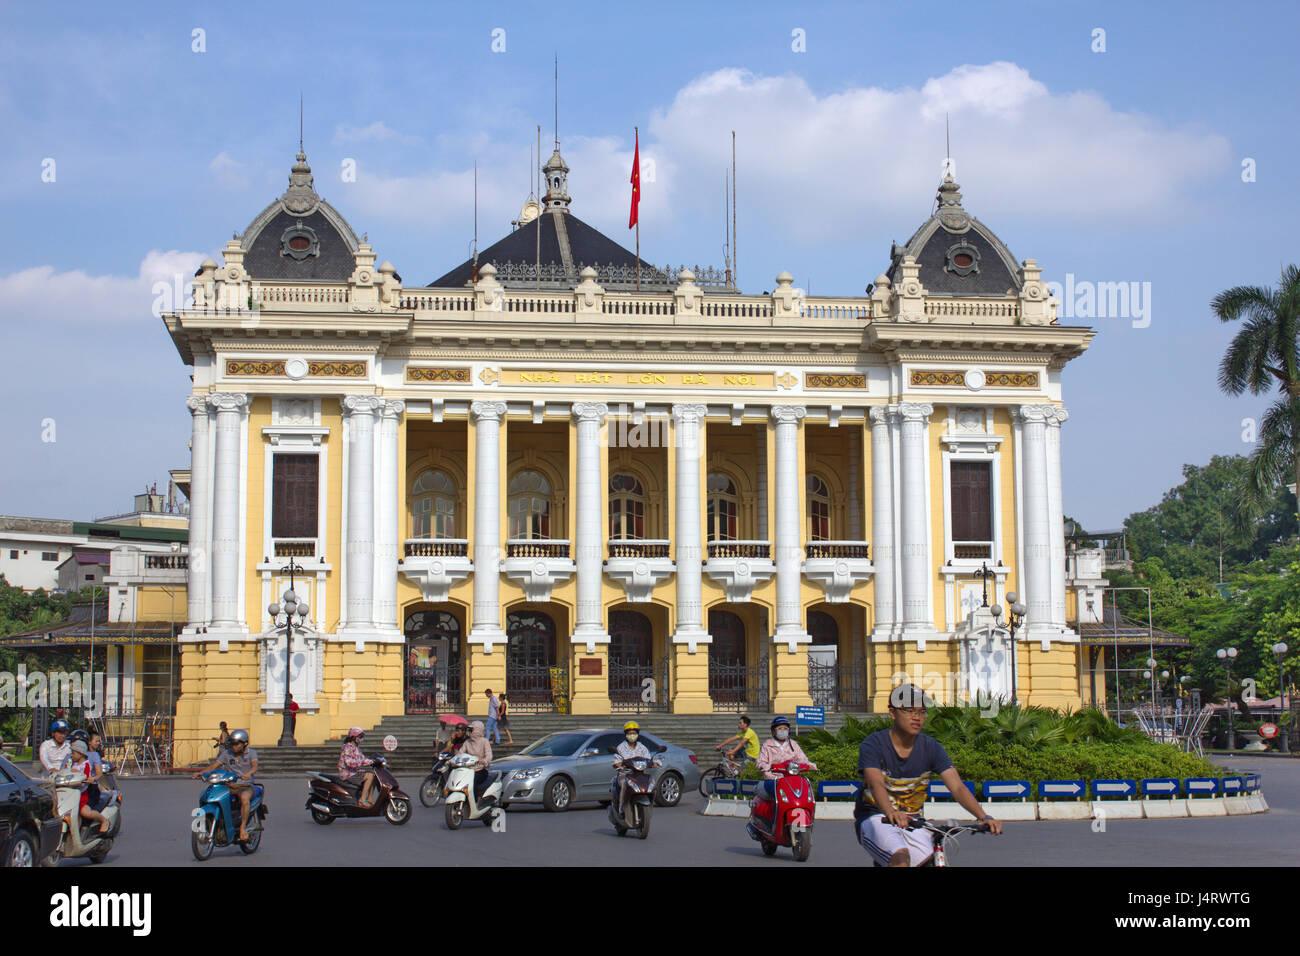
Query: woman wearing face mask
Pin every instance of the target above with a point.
(778, 748)
(629, 748)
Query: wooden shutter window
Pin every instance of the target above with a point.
(972, 500)
(294, 496)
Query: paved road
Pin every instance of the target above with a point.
(156, 833)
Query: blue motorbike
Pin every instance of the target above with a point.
(216, 820)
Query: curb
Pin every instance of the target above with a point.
(1039, 810)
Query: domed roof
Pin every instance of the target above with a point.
(958, 254)
(300, 236)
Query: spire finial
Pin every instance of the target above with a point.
(557, 102)
(300, 149)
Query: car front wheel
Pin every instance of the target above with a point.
(21, 850)
(559, 794)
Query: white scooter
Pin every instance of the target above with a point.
(462, 803)
(79, 837)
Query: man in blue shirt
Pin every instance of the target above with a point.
(896, 766)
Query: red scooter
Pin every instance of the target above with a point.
(787, 821)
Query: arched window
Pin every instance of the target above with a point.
(433, 506)
(819, 510)
(723, 510)
(530, 505)
(626, 507)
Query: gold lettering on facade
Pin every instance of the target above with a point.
(697, 378)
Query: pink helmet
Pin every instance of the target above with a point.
(356, 732)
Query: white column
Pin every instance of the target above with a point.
(589, 625)
(199, 582)
(1037, 577)
(226, 497)
(788, 540)
(359, 560)
(486, 627)
(917, 612)
(387, 546)
(686, 525)
(882, 520)
(1055, 514)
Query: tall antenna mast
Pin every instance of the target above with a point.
(538, 173)
(557, 102)
(726, 225)
(300, 121)
(476, 221)
(735, 256)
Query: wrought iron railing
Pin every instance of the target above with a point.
(295, 547)
(737, 686)
(166, 562)
(838, 686)
(972, 549)
(638, 687)
(538, 688)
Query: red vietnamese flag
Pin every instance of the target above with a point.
(636, 182)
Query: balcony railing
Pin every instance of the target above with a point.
(838, 549)
(166, 562)
(972, 550)
(642, 548)
(537, 548)
(436, 547)
(295, 547)
(740, 549)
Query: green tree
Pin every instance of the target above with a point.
(1263, 356)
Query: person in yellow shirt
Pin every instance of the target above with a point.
(745, 743)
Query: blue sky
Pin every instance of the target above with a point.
(1115, 166)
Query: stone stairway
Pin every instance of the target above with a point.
(414, 754)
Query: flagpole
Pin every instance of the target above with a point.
(637, 130)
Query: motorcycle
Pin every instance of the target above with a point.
(788, 820)
(78, 837)
(636, 797)
(462, 802)
(329, 797)
(431, 790)
(216, 820)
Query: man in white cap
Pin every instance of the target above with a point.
(896, 765)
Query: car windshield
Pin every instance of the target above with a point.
(13, 772)
(556, 745)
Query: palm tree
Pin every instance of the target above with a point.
(1264, 354)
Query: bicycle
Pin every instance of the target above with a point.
(726, 768)
(943, 833)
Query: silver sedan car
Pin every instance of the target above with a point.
(576, 766)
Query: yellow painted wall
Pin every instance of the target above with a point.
(161, 603)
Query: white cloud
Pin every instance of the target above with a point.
(228, 171)
(42, 295)
(376, 132)
(834, 165)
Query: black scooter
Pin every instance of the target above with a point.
(434, 786)
(329, 798)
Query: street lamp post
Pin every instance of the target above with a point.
(1015, 619)
(1149, 674)
(291, 607)
(1227, 657)
(1280, 650)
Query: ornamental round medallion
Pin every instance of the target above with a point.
(742, 569)
(641, 570)
(364, 277)
(539, 569)
(296, 368)
(436, 568)
(974, 379)
(842, 570)
(1033, 292)
(913, 288)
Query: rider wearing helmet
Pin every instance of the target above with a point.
(778, 748)
(55, 751)
(241, 760)
(352, 760)
(630, 747)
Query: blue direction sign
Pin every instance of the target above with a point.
(1113, 788)
(1233, 784)
(748, 788)
(940, 791)
(725, 788)
(1061, 788)
(1160, 787)
(1201, 786)
(812, 716)
(1252, 782)
(838, 788)
(1006, 789)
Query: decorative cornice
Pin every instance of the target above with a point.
(835, 380)
(956, 378)
(1033, 414)
(788, 414)
(319, 368)
(424, 373)
(914, 411)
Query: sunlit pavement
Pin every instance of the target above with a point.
(157, 821)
